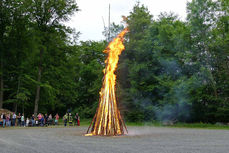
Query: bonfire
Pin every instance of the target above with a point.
(107, 119)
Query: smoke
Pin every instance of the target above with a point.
(162, 91)
(177, 104)
(173, 101)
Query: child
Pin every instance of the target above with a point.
(27, 122)
(37, 122)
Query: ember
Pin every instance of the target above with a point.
(107, 119)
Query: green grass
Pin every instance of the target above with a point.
(201, 125)
(83, 122)
(86, 122)
(180, 125)
(142, 123)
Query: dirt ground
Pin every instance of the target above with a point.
(139, 140)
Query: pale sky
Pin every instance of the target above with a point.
(89, 20)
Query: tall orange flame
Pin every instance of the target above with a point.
(107, 119)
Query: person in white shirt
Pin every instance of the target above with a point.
(14, 119)
(27, 122)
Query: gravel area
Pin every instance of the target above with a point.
(139, 140)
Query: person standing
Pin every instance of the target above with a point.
(19, 119)
(10, 117)
(23, 120)
(4, 119)
(70, 119)
(65, 118)
(27, 122)
(46, 119)
(42, 120)
(7, 119)
(77, 118)
(56, 119)
(50, 119)
(33, 120)
(14, 119)
(39, 118)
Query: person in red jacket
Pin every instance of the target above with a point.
(77, 118)
(56, 119)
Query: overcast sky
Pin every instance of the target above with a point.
(89, 19)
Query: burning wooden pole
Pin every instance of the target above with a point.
(107, 119)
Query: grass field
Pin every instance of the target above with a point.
(181, 125)
(86, 122)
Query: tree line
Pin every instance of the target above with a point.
(170, 70)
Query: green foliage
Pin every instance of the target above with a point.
(170, 70)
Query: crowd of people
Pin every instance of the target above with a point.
(11, 119)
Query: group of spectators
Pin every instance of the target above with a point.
(8, 119)
(44, 120)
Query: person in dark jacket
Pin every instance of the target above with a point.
(46, 119)
(4, 119)
(19, 119)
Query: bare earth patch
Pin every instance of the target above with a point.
(139, 140)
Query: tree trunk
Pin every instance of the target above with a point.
(15, 108)
(15, 103)
(38, 86)
(1, 85)
(1, 92)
